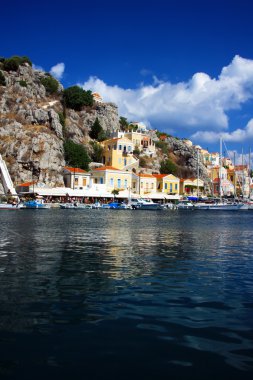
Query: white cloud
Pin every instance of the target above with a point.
(238, 135)
(58, 70)
(195, 105)
(37, 67)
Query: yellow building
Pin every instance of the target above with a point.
(191, 186)
(113, 178)
(167, 183)
(143, 184)
(76, 178)
(118, 153)
(142, 141)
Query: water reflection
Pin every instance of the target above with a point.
(179, 283)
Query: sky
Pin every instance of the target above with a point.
(184, 67)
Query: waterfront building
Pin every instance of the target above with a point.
(143, 184)
(167, 183)
(112, 178)
(76, 178)
(191, 186)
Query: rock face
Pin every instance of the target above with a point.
(31, 134)
(187, 156)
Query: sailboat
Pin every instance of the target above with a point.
(220, 205)
(8, 188)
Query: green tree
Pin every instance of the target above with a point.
(123, 123)
(76, 155)
(51, 85)
(96, 130)
(23, 83)
(75, 97)
(13, 63)
(2, 79)
(97, 152)
(168, 167)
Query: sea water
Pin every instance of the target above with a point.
(97, 294)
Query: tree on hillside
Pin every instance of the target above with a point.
(2, 79)
(75, 97)
(97, 151)
(51, 85)
(96, 130)
(123, 123)
(13, 63)
(168, 167)
(76, 155)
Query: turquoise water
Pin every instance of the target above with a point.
(97, 294)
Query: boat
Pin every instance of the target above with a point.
(37, 204)
(185, 204)
(9, 188)
(10, 206)
(219, 206)
(146, 204)
(115, 206)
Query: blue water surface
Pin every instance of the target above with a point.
(92, 294)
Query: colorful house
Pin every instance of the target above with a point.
(76, 178)
(143, 184)
(118, 153)
(191, 186)
(112, 178)
(167, 183)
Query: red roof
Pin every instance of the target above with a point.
(74, 170)
(160, 175)
(145, 175)
(27, 184)
(106, 168)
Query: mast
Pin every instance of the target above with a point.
(242, 175)
(234, 179)
(249, 172)
(220, 187)
(197, 173)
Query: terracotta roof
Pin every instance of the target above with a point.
(26, 184)
(106, 168)
(74, 170)
(160, 175)
(145, 175)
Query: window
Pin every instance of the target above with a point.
(166, 186)
(84, 181)
(175, 186)
(141, 185)
(101, 180)
(125, 161)
(119, 183)
(95, 180)
(120, 147)
(111, 182)
(129, 148)
(152, 185)
(114, 146)
(76, 180)
(125, 184)
(170, 187)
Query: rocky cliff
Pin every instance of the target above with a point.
(31, 134)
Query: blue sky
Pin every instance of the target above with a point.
(185, 67)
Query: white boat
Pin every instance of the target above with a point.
(146, 204)
(219, 206)
(10, 206)
(185, 204)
